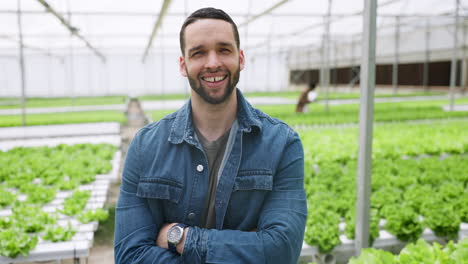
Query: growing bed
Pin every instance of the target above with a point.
(52, 199)
(419, 185)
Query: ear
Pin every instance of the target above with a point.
(241, 60)
(182, 67)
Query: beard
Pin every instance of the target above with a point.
(202, 92)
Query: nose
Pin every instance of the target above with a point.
(213, 61)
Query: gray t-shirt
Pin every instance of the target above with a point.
(214, 151)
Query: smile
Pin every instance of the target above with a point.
(214, 79)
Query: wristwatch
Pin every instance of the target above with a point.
(174, 235)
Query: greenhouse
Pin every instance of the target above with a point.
(376, 91)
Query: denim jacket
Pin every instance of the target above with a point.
(260, 201)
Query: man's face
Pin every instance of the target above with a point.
(212, 62)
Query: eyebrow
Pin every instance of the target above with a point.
(225, 44)
(195, 48)
(199, 47)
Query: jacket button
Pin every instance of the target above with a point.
(191, 216)
(200, 168)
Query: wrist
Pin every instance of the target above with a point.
(180, 246)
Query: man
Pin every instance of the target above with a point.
(217, 181)
(306, 97)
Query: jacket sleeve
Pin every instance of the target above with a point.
(280, 228)
(136, 228)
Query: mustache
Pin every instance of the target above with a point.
(215, 71)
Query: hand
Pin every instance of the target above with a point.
(161, 240)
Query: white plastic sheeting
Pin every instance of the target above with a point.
(58, 64)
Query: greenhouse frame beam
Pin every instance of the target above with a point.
(267, 11)
(176, 14)
(181, 14)
(73, 30)
(320, 24)
(43, 51)
(157, 25)
(133, 35)
(366, 115)
(360, 13)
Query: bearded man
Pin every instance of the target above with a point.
(218, 181)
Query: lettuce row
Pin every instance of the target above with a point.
(32, 179)
(417, 253)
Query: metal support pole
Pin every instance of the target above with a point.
(335, 70)
(308, 68)
(322, 70)
(71, 60)
(22, 68)
(351, 68)
(49, 75)
(427, 57)
(246, 41)
(89, 77)
(365, 126)
(126, 82)
(464, 60)
(326, 60)
(100, 78)
(453, 68)
(397, 59)
(163, 65)
(268, 66)
(106, 77)
(145, 76)
(186, 86)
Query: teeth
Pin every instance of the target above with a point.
(214, 79)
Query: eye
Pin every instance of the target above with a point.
(196, 54)
(224, 50)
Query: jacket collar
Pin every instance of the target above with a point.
(182, 127)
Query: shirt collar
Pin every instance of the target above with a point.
(182, 128)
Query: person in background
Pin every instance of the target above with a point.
(308, 96)
(218, 181)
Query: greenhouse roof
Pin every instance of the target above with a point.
(277, 24)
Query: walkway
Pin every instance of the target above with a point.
(176, 104)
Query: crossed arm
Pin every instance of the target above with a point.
(140, 232)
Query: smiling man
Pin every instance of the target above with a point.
(218, 181)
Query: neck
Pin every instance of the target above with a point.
(212, 121)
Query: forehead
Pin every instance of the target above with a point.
(208, 31)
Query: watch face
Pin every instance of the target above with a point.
(174, 234)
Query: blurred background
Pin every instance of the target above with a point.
(78, 79)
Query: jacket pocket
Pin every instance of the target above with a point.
(254, 180)
(246, 201)
(157, 188)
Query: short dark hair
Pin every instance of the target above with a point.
(204, 13)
